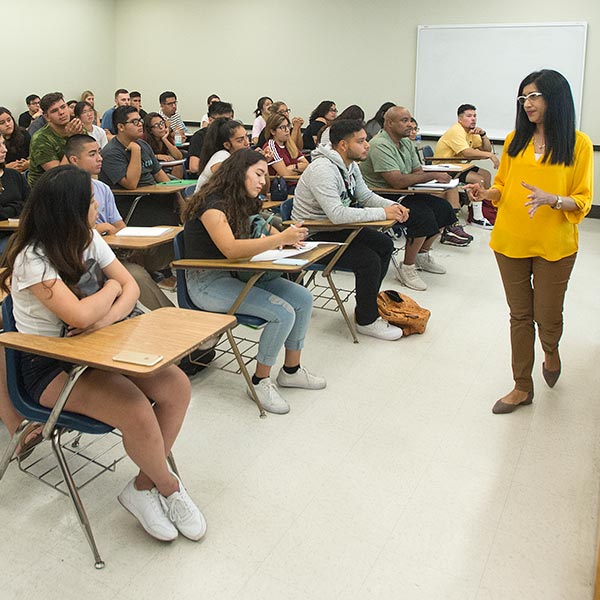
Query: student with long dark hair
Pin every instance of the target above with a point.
(350, 113)
(322, 116)
(161, 140)
(262, 114)
(17, 142)
(543, 189)
(216, 227)
(55, 239)
(375, 124)
(223, 138)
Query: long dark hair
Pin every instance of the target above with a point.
(321, 110)
(157, 145)
(229, 185)
(378, 116)
(260, 104)
(559, 119)
(55, 221)
(17, 142)
(218, 132)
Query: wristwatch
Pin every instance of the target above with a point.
(482, 134)
(558, 203)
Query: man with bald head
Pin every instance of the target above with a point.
(392, 162)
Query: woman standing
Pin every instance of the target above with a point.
(543, 189)
(217, 226)
(262, 114)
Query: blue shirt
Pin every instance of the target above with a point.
(107, 207)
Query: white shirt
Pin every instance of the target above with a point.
(216, 158)
(31, 267)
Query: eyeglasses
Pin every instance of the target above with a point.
(531, 97)
(284, 127)
(135, 122)
(284, 112)
(334, 110)
(159, 125)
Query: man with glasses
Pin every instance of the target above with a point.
(466, 140)
(33, 111)
(168, 110)
(47, 147)
(121, 99)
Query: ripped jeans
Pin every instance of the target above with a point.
(286, 306)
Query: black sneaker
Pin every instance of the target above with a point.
(451, 239)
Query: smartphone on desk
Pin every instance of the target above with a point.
(138, 358)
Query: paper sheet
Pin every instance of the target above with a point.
(143, 231)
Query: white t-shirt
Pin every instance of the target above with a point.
(216, 158)
(99, 135)
(258, 125)
(32, 267)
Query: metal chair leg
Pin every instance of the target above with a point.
(342, 308)
(12, 446)
(74, 494)
(245, 373)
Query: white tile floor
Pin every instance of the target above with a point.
(396, 482)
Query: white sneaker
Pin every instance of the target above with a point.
(380, 329)
(483, 223)
(301, 379)
(408, 277)
(425, 262)
(184, 514)
(269, 397)
(146, 507)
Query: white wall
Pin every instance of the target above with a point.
(78, 54)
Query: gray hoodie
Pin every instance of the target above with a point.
(322, 192)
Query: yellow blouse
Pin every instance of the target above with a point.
(551, 234)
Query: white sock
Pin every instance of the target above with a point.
(477, 211)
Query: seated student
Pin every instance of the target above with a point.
(217, 226)
(13, 193)
(122, 98)
(158, 135)
(375, 124)
(43, 266)
(465, 140)
(351, 113)
(88, 96)
(392, 161)
(261, 113)
(216, 110)
(128, 162)
(223, 138)
(168, 109)
(136, 101)
(332, 188)
(322, 116)
(33, 111)
(48, 144)
(281, 108)
(17, 142)
(84, 111)
(287, 159)
(82, 151)
(204, 120)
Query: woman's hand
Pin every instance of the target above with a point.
(538, 198)
(293, 235)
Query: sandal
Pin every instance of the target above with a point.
(32, 434)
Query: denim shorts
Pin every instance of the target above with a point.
(39, 371)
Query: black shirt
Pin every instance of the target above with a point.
(308, 143)
(196, 239)
(22, 151)
(14, 195)
(196, 142)
(25, 120)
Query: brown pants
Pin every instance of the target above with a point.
(535, 290)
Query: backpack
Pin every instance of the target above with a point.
(402, 311)
(279, 188)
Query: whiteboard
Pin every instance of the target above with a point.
(484, 64)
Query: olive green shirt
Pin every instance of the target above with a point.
(46, 146)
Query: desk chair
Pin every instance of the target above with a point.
(57, 422)
(325, 296)
(184, 300)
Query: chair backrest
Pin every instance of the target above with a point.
(22, 401)
(427, 151)
(183, 297)
(285, 209)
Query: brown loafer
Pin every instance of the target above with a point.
(551, 377)
(503, 408)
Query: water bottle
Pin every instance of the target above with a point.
(178, 138)
(418, 141)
